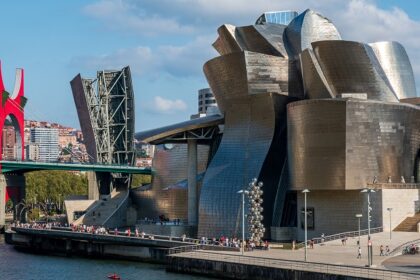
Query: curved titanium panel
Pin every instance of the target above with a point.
(397, 67)
(228, 75)
(352, 67)
(306, 28)
(267, 39)
(273, 33)
(314, 82)
(254, 40)
(171, 167)
(253, 88)
(227, 42)
(342, 144)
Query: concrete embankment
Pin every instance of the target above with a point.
(234, 266)
(69, 243)
(226, 270)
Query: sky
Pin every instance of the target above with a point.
(165, 42)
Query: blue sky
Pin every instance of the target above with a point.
(165, 42)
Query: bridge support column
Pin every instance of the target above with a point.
(2, 201)
(93, 188)
(192, 183)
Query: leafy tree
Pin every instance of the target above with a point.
(140, 179)
(54, 186)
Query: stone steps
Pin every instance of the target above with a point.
(409, 224)
(103, 210)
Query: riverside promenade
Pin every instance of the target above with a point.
(324, 261)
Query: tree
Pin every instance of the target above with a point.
(54, 186)
(140, 179)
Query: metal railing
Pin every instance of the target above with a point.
(318, 240)
(197, 247)
(355, 271)
(112, 233)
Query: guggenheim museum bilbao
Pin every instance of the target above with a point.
(300, 108)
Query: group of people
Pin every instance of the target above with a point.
(36, 225)
(411, 249)
(224, 241)
(384, 251)
(162, 220)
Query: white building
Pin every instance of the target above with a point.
(47, 141)
(32, 152)
(206, 102)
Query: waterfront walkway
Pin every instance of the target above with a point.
(332, 257)
(111, 237)
(333, 252)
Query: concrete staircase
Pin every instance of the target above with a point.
(409, 224)
(103, 209)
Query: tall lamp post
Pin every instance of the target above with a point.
(368, 191)
(243, 193)
(305, 191)
(358, 216)
(390, 226)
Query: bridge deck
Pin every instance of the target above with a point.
(158, 241)
(26, 166)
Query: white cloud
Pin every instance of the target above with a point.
(179, 61)
(359, 20)
(129, 17)
(167, 106)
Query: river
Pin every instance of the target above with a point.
(19, 265)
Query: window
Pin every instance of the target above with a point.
(310, 211)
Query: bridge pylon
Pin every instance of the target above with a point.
(12, 186)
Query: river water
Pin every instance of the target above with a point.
(19, 265)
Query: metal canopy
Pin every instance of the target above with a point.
(201, 129)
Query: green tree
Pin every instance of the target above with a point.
(138, 180)
(54, 186)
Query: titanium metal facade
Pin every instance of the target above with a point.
(166, 194)
(341, 144)
(351, 127)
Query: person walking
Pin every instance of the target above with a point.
(381, 250)
(359, 253)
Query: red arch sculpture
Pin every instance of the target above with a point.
(12, 104)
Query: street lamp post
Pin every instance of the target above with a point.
(243, 193)
(305, 191)
(358, 216)
(390, 226)
(368, 191)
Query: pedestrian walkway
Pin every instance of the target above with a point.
(332, 257)
(333, 252)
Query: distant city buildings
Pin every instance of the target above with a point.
(47, 141)
(207, 104)
(70, 142)
(206, 100)
(9, 143)
(31, 152)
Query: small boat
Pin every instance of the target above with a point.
(114, 276)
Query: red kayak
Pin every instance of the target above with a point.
(114, 276)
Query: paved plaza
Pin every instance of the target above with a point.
(333, 252)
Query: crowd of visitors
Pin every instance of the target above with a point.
(234, 243)
(223, 241)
